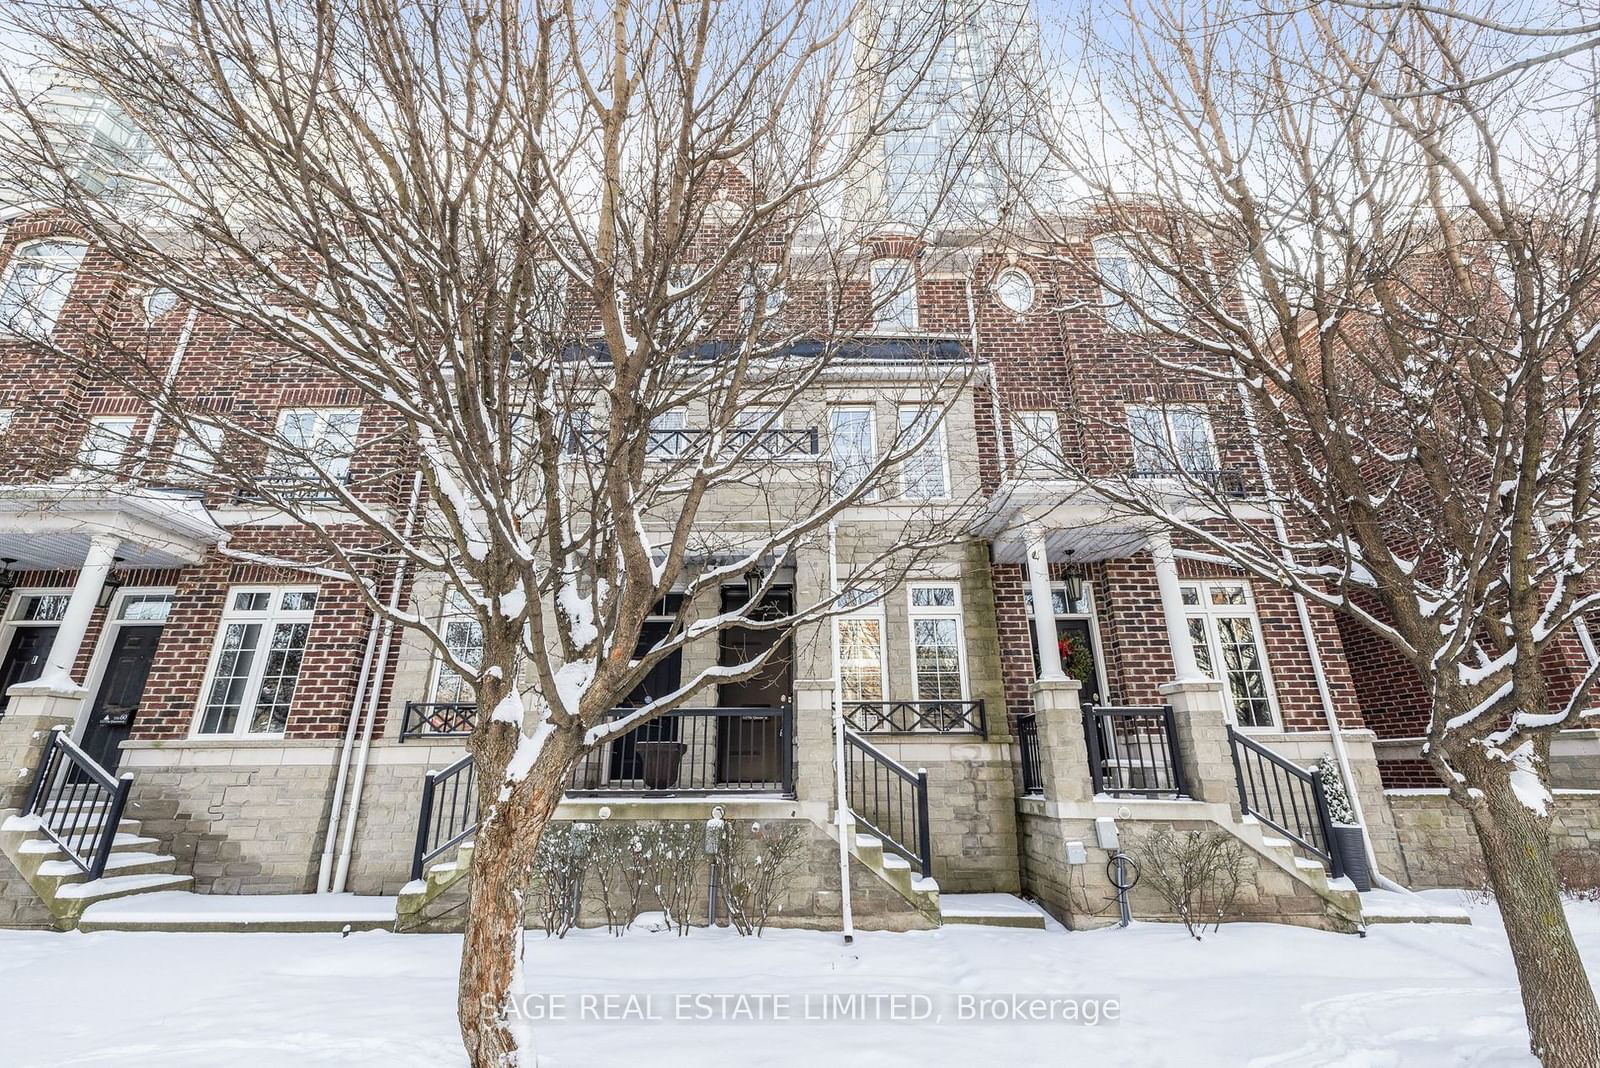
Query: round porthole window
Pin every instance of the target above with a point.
(158, 302)
(1015, 290)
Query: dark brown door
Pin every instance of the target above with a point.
(749, 747)
(25, 659)
(121, 688)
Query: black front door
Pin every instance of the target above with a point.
(121, 687)
(661, 680)
(25, 659)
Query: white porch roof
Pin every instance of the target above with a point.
(1075, 522)
(48, 526)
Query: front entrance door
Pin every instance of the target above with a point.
(662, 679)
(121, 688)
(748, 750)
(25, 658)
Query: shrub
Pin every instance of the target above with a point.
(1197, 873)
(753, 864)
(1340, 810)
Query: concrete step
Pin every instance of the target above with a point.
(990, 910)
(175, 911)
(33, 854)
(52, 875)
(115, 886)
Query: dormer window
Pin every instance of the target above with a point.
(894, 296)
(35, 286)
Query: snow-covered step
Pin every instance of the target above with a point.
(298, 913)
(1389, 906)
(990, 910)
(62, 873)
(116, 886)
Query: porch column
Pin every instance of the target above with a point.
(1044, 617)
(97, 564)
(1184, 667)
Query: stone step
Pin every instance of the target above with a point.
(990, 910)
(52, 875)
(34, 853)
(286, 913)
(112, 887)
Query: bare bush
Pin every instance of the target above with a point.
(1197, 873)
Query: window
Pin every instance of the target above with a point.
(1170, 441)
(853, 449)
(194, 453)
(7, 415)
(1154, 292)
(937, 658)
(763, 284)
(464, 637)
(145, 607)
(36, 285)
(761, 428)
(41, 608)
(1223, 627)
(923, 473)
(668, 436)
(1036, 440)
(158, 302)
(315, 437)
(256, 663)
(1014, 289)
(578, 435)
(861, 651)
(894, 295)
(104, 444)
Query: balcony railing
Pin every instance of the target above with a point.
(692, 751)
(1133, 751)
(913, 717)
(1028, 752)
(438, 719)
(667, 444)
(1224, 481)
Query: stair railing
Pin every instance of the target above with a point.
(889, 800)
(449, 812)
(1286, 797)
(78, 803)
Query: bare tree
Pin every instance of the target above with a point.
(526, 235)
(1385, 262)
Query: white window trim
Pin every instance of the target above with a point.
(937, 414)
(905, 290)
(1166, 413)
(1210, 613)
(1092, 616)
(872, 440)
(1143, 282)
(201, 463)
(269, 619)
(914, 613)
(41, 320)
(107, 641)
(282, 464)
(1033, 290)
(873, 611)
(446, 617)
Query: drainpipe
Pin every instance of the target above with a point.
(841, 797)
(374, 696)
(1335, 733)
(330, 838)
(173, 364)
(988, 373)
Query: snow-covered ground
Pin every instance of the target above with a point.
(1415, 995)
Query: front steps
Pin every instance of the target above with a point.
(991, 910)
(893, 870)
(134, 866)
(411, 907)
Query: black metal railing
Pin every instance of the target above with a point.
(438, 719)
(78, 803)
(666, 444)
(694, 751)
(889, 800)
(449, 812)
(1028, 751)
(1133, 750)
(1224, 481)
(1286, 797)
(941, 717)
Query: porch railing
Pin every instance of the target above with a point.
(1224, 481)
(1028, 751)
(1284, 796)
(695, 751)
(668, 443)
(910, 717)
(78, 803)
(449, 813)
(889, 800)
(1133, 750)
(438, 719)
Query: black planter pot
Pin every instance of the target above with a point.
(1352, 854)
(659, 763)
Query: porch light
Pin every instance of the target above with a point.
(109, 588)
(1074, 582)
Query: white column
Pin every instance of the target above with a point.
(1183, 663)
(97, 565)
(1044, 616)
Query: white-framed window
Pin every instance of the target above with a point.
(578, 435)
(194, 454)
(35, 285)
(764, 284)
(1015, 290)
(1154, 292)
(1227, 646)
(158, 302)
(861, 668)
(38, 607)
(760, 427)
(256, 663)
(938, 658)
(667, 437)
(1036, 440)
(104, 444)
(925, 473)
(894, 295)
(1077, 638)
(463, 635)
(7, 416)
(324, 437)
(1172, 440)
(852, 447)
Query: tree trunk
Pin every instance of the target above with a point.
(1559, 1002)
(494, 1028)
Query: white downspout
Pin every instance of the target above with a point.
(173, 365)
(375, 693)
(1335, 734)
(841, 796)
(330, 838)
